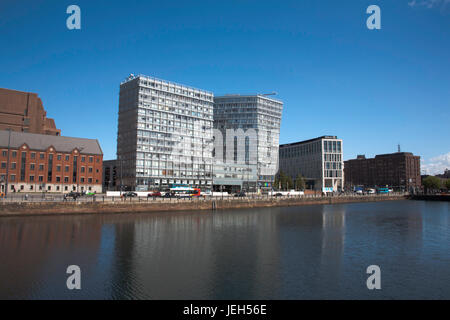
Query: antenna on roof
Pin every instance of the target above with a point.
(399, 147)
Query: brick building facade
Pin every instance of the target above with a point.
(24, 112)
(401, 170)
(37, 163)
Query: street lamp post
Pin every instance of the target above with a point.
(78, 175)
(7, 163)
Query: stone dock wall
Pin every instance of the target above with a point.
(93, 207)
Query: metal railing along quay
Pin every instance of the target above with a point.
(20, 198)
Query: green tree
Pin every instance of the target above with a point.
(447, 184)
(299, 182)
(276, 181)
(432, 183)
(289, 183)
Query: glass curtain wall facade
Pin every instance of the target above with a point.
(258, 117)
(319, 161)
(164, 135)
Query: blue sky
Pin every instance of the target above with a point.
(373, 88)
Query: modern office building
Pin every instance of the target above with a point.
(164, 134)
(246, 133)
(318, 160)
(36, 163)
(398, 170)
(24, 112)
(111, 176)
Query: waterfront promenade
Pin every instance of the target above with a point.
(102, 204)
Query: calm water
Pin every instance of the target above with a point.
(308, 252)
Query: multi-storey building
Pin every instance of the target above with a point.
(246, 153)
(164, 134)
(36, 163)
(24, 112)
(319, 161)
(398, 170)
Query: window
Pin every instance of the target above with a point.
(32, 166)
(41, 167)
(90, 169)
(91, 159)
(89, 180)
(59, 157)
(58, 179)
(3, 165)
(41, 178)
(67, 158)
(82, 180)
(83, 159)
(58, 168)
(13, 165)
(4, 153)
(66, 180)
(66, 169)
(13, 177)
(14, 154)
(41, 156)
(82, 169)
(31, 178)
(33, 155)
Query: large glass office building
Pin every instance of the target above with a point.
(319, 161)
(164, 134)
(246, 153)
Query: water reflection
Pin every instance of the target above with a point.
(272, 253)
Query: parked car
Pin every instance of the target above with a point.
(154, 194)
(240, 194)
(169, 195)
(73, 194)
(370, 191)
(130, 194)
(278, 194)
(207, 193)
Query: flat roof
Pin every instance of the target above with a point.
(259, 95)
(307, 141)
(132, 77)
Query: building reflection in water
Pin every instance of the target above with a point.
(332, 249)
(308, 252)
(35, 253)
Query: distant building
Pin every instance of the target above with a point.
(318, 160)
(445, 175)
(400, 170)
(36, 163)
(24, 112)
(249, 126)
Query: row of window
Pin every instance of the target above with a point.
(42, 156)
(12, 178)
(41, 167)
(49, 188)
